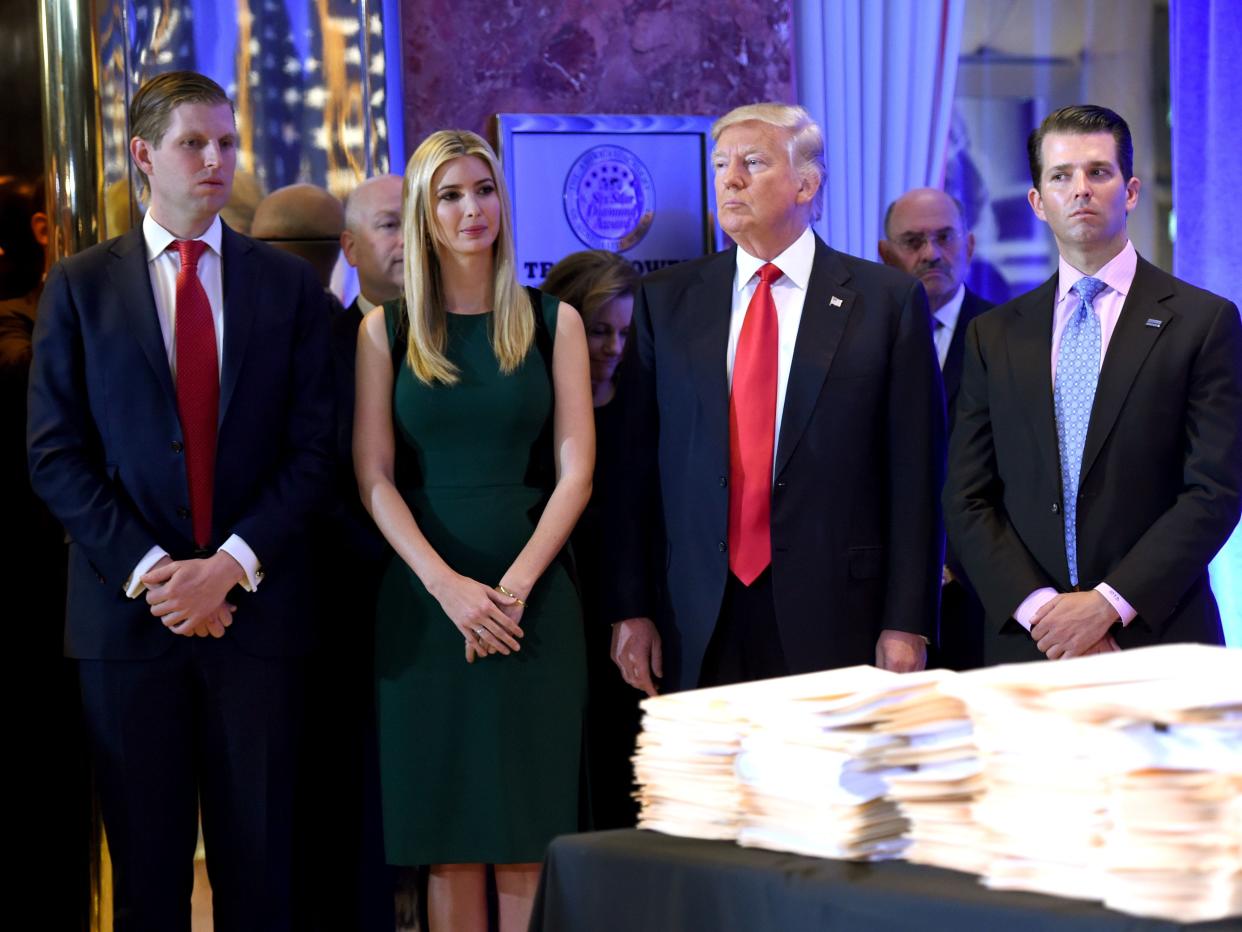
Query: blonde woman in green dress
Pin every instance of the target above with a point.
(474, 447)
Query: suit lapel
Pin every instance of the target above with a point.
(971, 308)
(1131, 341)
(239, 308)
(132, 280)
(711, 297)
(819, 335)
(1030, 361)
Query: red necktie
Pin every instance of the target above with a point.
(198, 385)
(752, 434)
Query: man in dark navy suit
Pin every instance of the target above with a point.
(786, 425)
(1096, 462)
(925, 236)
(180, 429)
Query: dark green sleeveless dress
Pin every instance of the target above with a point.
(479, 762)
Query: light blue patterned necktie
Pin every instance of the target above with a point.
(1078, 371)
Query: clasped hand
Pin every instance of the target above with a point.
(490, 622)
(1074, 624)
(187, 596)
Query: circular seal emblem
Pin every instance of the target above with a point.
(609, 198)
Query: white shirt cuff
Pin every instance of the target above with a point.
(1124, 608)
(1031, 604)
(240, 551)
(134, 586)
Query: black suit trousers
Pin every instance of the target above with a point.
(201, 724)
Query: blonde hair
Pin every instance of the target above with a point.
(806, 139)
(513, 320)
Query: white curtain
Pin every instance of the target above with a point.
(878, 75)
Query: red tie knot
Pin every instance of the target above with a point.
(769, 274)
(190, 250)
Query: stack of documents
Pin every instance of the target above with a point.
(813, 765)
(942, 780)
(1114, 777)
(684, 765)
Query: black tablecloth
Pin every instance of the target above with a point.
(640, 881)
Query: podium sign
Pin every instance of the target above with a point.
(637, 185)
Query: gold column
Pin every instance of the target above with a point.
(70, 124)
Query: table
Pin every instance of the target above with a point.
(639, 881)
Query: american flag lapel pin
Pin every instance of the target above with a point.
(1153, 322)
(835, 301)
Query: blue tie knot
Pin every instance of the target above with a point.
(1087, 288)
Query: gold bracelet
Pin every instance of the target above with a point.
(505, 592)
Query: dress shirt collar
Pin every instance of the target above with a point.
(952, 309)
(364, 306)
(158, 239)
(1117, 273)
(795, 262)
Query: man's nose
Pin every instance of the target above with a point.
(734, 177)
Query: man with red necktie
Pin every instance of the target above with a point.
(180, 429)
(778, 510)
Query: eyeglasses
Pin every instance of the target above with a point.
(913, 242)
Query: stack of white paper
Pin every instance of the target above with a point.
(944, 778)
(813, 766)
(683, 765)
(1114, 777)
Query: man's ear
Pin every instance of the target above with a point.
(887, 256)
(40, 228)
(140, 150)
(1036, 201)
(808, 187)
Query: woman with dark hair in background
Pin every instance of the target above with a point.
(601, 285)
(473, 444)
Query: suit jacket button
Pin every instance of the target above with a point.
(183, 512)
(1056, 508)
(176, 446)
(724, 480)
(780, 483)
(722, 546)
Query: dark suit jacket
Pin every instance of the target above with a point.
(105, 439)
(972, 307)
(1161, 471)
(959, 645)
(856, 530)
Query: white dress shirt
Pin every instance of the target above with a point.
(789, 295)
(946, 317)
(1118, 274)
(163, 262)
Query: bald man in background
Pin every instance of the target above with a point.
(353, 887)
(926, 236)
(305, 220)
(348, 881)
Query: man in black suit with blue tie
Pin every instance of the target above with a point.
(925, 236)
(1096, 461)
(180, 429)
(778, 510)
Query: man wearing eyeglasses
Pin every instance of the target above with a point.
(926, 236)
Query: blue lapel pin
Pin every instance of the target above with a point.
(1152, 322)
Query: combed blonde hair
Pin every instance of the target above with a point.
(513, 321)
(806, 139)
